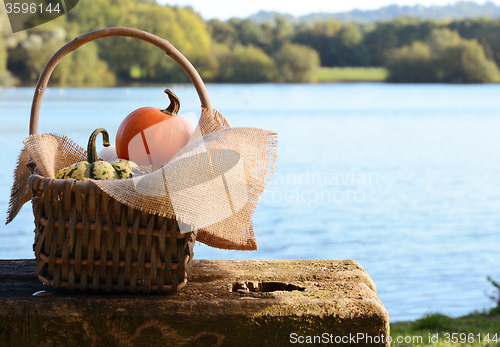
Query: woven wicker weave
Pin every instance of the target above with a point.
(86, 240)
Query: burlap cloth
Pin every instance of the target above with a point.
(212, 185)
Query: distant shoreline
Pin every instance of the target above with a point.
(324, 75)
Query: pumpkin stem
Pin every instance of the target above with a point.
(175, 103)
(91, 147)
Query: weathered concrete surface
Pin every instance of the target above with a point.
(226, 303)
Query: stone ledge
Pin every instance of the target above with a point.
(226, 303)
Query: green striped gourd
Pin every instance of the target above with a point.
(97, 169)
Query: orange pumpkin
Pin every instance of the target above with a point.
(152, 136)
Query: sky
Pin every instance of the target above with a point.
(225, 9)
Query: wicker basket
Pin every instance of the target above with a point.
(86, 240)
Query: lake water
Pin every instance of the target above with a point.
(404, 179)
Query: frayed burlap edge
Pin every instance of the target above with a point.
(20, 193)
(47, 167)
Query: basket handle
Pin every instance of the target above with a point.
(108, 32)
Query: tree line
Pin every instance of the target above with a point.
(464, 51)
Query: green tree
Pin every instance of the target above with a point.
(350, 35)
(337, 44)
(440, 39)
(84, 68)
(3, 56)
(251, 64)
(410, 64)
(222, 32)
(445, 58)
(465, 62)
(182, 27)
(79, 68)
(91, 15)
(378, 41)
(296, 63)
(330, 27)
(249, 33)
(349, 48)
(5, 78)
(224, 58)
(389, 35)
(281, 31)
(27, 60)
(485, 31)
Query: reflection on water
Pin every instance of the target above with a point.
(401, 178)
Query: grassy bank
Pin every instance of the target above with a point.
(356, 74)
(352, 74)
(477, 329)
